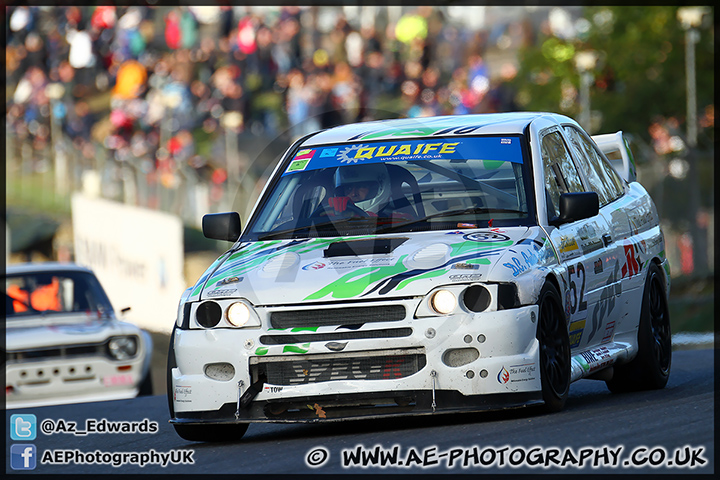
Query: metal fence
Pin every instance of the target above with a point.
(45, 178)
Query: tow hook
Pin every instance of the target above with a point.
(433, 374)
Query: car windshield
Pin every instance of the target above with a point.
(397, 186)
(54, 293)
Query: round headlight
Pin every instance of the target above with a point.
(477, 298)
(208, 314)
(122, 348)
(237, 314)
(443, 302)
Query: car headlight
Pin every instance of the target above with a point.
(208, 314)
(237, 314)
(122, 348)
(443, 302)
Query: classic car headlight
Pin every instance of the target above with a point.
(443, 302)
(237, 314)
(122, 348)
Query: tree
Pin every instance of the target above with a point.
(640, 75)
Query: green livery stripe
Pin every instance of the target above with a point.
(296, 348)
(430, 274)
(354, 283)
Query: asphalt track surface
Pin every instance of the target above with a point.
(652, 425)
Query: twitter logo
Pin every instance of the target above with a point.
(23, 427)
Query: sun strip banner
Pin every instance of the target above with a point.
(502, 149)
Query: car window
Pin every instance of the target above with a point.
(602, 177)
(560, 173)
(57, 292)
(375, 187)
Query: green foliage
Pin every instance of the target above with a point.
(639, 77)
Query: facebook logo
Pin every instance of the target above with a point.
(23, 427)
(22, 457)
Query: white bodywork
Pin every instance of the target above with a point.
(473, 353)
(618, 152)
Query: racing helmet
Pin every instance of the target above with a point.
(372, 176)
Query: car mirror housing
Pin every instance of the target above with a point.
(576, 206)
(221, 226)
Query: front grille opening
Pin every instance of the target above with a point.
(335, 336)
(337, 316)
(318, 369)
(57, 352)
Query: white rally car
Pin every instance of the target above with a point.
(63, 342)
(424, 266)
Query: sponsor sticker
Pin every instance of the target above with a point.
(347, 264)
(297, 165)
(609, 330)
(117, 380)
(576, 330)
(568, 244)
(503, 376)
(222, 292)
(272, 389)
(465, 266)
(486, 237)
(467, 277)
(182, 394)
(598, 266)
(493, 150)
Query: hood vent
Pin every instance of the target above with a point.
(368, 246)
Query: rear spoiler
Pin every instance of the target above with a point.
(617, 150)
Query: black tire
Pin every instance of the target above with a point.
(146, 386)
(650, 369)
(552, 333)
(211, 433)
(171, 363)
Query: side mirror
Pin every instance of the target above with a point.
(576, 206)
(221, 226)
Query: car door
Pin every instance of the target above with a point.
(579, 244)
(605, 315)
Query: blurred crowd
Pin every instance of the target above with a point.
(163, 86)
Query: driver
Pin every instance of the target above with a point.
(360, 186)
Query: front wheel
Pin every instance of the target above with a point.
(146, 386)
(650, 369)
(552, 334)
(211, 433)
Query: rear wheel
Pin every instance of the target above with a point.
(170, 365)
(552, 334)
(211, 433)
(650, 369)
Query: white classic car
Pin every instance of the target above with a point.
(424, 266)
(63, 342)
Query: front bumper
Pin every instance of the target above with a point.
(71, 380)
(462, 362)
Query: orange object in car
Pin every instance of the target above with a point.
(46, 297)
(43, 298)
(20, 298)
